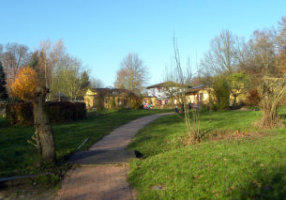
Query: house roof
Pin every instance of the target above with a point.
(113, 91)
(164, 84)
(196, 89)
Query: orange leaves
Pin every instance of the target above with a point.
(25, 84)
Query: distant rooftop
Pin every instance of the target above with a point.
(164, 84)
(111, 90)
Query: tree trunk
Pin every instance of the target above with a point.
(269, 118)
(269, 114)
(43, 129)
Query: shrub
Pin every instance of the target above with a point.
(253, 98)
(21, 113)
(221, 92)
(65, 111)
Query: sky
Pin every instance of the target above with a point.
(102, 32)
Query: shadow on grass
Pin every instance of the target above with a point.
(3, 122)
(283, 118)
(271, 185)
(157, 134)
(18, 157)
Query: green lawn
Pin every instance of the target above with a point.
(17, 157)
(253, 168)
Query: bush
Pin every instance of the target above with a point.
(21, 113)
(65, 111)
(253, 98)
(221, 92)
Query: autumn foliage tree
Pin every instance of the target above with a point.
(25, 84)
(28, 87)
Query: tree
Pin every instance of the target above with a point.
(282, 45)
(273, 87)
(273, 90)
(258, 65)
(261, 55)
(84, 82)
(66, 78)
(222, 56)
(191, 118)
(221, 90)
(13, 58)
(3, 91)
(226, 54)
(28, 87)
(171, 84)
(50, 55)
(25, 84)
(132, 74)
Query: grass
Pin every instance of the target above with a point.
(246, 168)
(17, 157)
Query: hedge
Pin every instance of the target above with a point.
(21, 113)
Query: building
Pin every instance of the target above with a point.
(107, 98)
(198, 94)
(161, 95)
(167, 94)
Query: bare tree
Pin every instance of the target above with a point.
(66, 77)
(191, 118)
(132, 74)
(222, 56)
(282, 32)
(51, 56)
(282, 45)
(270, 47)
(13, 58)
(273, 90)
(60, 72)
(262, 53)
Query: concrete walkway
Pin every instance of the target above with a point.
(103, 169)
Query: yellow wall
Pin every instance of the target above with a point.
(93, 100)
(89, 101)
(202, 97)
(195, 98)
(242, 98)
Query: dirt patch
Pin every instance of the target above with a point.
(237, 135)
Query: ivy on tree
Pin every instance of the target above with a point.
(3, 91)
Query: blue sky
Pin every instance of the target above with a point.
(102, 32)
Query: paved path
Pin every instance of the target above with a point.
(102, 174)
